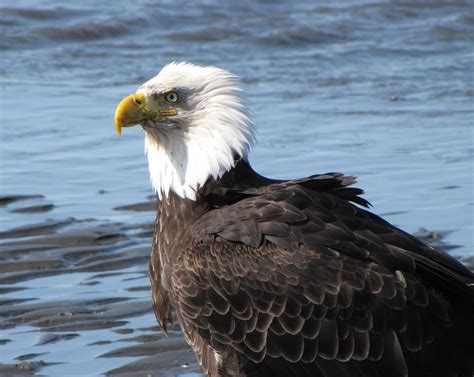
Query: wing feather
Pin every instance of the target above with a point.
(293, 272)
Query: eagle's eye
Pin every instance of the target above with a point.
(137, 101)
(171, 97)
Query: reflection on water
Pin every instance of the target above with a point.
(379, 90)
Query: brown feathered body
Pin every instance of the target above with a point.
(295, 278)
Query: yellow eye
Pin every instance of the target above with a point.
(171, 97)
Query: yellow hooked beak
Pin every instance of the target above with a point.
(130, 112)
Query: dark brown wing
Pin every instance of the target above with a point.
(316, 212)
(302, 278)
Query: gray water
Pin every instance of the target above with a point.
(381, 90)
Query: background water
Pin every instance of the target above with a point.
(378, 89)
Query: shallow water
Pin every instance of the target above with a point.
(380, 90)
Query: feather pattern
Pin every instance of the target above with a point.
(281, 276)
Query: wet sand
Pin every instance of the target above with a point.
(84, 282)
(74, 295)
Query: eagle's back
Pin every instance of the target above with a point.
(291, 278)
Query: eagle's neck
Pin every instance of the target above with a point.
(175, 216)
(184, 166)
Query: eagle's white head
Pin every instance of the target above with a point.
(195, 125)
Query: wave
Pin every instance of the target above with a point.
(41, 14)
(82, 32)
(300, 35)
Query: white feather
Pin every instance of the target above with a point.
(212, 127)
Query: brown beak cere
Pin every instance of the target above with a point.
(129, 112)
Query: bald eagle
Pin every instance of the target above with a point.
(284, 277)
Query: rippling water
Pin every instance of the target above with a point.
(381, 90)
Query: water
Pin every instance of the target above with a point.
(381, 90)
